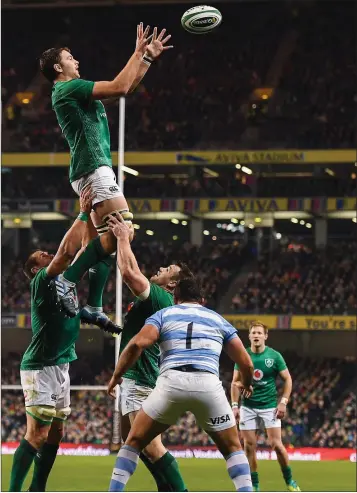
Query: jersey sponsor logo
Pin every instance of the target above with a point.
(54, 397)
(269, 362)
(220, 419)
(103, 115)
(258, 375)
(114, 189)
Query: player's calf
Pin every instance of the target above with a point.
(228, 444)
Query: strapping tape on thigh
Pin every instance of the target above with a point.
(63, 413)
(125, 214)
(101, 229)
(45, 413)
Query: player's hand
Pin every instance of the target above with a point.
(236, 413)
(158, 44)
(245, 391)
(85, 200)
(111, 386)
(142, 39)
(120, 229)
(280, 411)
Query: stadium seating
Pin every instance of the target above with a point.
(211, 262)
(309, 109)
(312, 282)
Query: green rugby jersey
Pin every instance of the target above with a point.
(146, 369)
(84, 124)
(267, 366)
(53, 334)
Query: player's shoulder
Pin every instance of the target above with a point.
(273, 352)
(40, 276)
(161, 294)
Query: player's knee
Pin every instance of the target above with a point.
(154, 451)
(250, 445)
(276, 444)
(37, 436)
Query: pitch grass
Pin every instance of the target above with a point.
(93, 474)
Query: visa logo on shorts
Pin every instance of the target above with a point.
(219, 420)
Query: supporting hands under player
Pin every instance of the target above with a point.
(120, 229)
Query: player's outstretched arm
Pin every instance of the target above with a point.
(148, 335)
(153, 51)
(73, 238)
(237, 352)
(125, 79)
(128, 266)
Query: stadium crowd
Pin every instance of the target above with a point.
(312, 106)
(302, 282)
(20, 185)
(316, 415)
(215, 264)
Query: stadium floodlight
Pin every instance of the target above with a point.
(174, 220)
(130, 171)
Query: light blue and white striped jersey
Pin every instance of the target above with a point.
(191, 334)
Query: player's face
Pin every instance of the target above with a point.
(164, 275)
(43, 259)
(69, 65)
(257, 336)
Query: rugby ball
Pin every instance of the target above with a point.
(201, 20)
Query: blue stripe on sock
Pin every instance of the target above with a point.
(116, 486)
(238, 470)
(246, 488)
(125, 464)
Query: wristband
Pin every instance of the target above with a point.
(147, 59)
(284, 400)
(83, 216)
(235, 404)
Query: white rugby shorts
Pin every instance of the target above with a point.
(132, 396)
(251, 418)
(198, 392)
(103, 183)
(47, 387)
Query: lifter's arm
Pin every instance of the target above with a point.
(148, 335)
(128, 266)
(73, 238)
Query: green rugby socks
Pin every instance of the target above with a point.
(44, 461)
(166, 473)
(93, 254)
(98, 276)
(23, 458)
(255, 480)
(287, 474)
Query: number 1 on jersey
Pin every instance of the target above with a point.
(189, 335)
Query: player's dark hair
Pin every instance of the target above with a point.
(48, 59)
(188, 289)
(258, 323)
(30, 263)
(185, 271)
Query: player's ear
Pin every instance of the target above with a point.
(57, 67)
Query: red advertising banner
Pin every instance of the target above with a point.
(295, 454)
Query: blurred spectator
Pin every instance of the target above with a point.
(302, 282)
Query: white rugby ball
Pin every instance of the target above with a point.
(201, 20)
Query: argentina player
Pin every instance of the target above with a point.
(190, 338)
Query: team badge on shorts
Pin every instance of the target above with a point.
(269, 362)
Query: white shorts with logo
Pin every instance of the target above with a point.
(103, 183)
(200, 393)
(250, 418)
(47, 387)
(132, 396)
